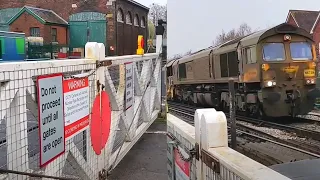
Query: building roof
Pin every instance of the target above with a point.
(45, 16)
(138, 4)
(304, 19)
(7, 14)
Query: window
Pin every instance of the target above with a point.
(301, 51)
(35, 32)
(229, 66)
(233, 66)
(128, 18)
(251, 55)
(136, 20)
(54, 34)
(224, 65)
(182, 71)
(120, 15)
(273, 52)
(142, 22)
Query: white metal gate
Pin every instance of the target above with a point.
(19, 132)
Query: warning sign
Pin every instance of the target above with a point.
(182, 168)
(76, 106)
(51, 123)
(129, 86)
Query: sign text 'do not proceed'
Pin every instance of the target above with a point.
(51, 121)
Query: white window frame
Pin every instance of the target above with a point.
(129, 18)
(120, 16)
(251, 55)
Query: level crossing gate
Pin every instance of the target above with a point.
(92, 147)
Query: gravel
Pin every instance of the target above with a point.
(274, 132)
(312, 127)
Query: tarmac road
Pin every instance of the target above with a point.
(147, 159)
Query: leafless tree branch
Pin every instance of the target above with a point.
(243, 30)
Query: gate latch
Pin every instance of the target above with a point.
(195, 151)
(103, 174)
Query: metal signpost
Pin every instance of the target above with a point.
(232, 114)
(51, 117)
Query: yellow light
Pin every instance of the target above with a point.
(312, 65)
(265, 67)
(140, 50)
(314, 52)
(287, 37)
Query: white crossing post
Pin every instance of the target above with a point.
(197, 124)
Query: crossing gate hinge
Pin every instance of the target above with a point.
(98, 86)
(103, 63)
(210, 161)
(103, 174)
(195, 151)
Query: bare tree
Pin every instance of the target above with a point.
(177, 56)
(243, 30)
(157, 12)
(188, 53)
(152, 30)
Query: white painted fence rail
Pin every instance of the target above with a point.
(210, 133)
(19, 133)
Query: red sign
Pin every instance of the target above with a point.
(182, 167)
(100, 122)
(76, 106)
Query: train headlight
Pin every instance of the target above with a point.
(270, 84)
(310, 81)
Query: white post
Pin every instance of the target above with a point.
(214, 131)
(197, 124)
(92, 51)
(159, 43)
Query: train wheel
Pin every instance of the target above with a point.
(259, 114)
(255, 111)
(224, 107)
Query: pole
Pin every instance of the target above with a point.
(159, 49)
(232, 114)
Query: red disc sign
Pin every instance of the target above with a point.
(100, 122)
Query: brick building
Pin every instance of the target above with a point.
(117, 24)
(308, 20)
(40, 23)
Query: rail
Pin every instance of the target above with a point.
(252, 131)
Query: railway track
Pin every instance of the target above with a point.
(260, 140)
(300, 129)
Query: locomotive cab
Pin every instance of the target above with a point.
(288, 73)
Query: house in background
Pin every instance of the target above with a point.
(117, 24)
(40, 23)
(308, 20)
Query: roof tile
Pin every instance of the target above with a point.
(305, 19)
(47, 15)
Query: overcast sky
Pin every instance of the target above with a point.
(193, 25)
